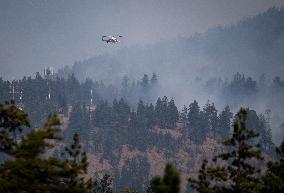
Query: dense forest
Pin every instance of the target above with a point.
(200, 114)
(34, 169)
(253, 47)
(51, 93)
(124, 135)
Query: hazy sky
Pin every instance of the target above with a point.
(39, 33)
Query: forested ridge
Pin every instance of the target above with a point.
(253, 45)
(175, 116)
(125, 140)
(35, 169)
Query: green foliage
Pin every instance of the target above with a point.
(172, 114)
(169, 183)
(103, 185)
(202, 185)
(103, 114)
(12, 122)
(121, 111)
(197, 123)
(136, 169)
(193, 114)
(210, 117)
(183, 115)
(29, 167)
(260, 124)
(236, 173)
(225, 122)
(273, 180)
(79, 122)
(75, 165)
(166, 113)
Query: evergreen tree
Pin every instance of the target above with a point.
(123, 112)
(76, 164)
(4, 90)
(141, 115)
(172, 114)
(29, 168)
(169, 183)
(224, 125)
(115, 111)
(193, 115)
(261, 126)
(125, 87)
(136, 169)
(73, 89)
(103, 185)
(12, 122)
(210, 117)
(183, 115)
(145, 81)
(159, 111)
(237, 174)
(273, 180)
(202, 185)
(265, 135)
(150, 116)
(197, 123)
(79, 122)
(103, 115)
(164, 113)
(154, 79)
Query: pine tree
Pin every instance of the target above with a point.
(103, 185)
(164, 112)
(273, 180)
(103, 115)
(261, 126)
(210, 117)
(202, 185)
(79, 122)
(265, 135)
(141, 115)
(236, 174)
(12, 122)
(136, 169)
(115, 111)
(76, 164)
(123, 112)
(29, 168)
(73, 89)
(125, 87)
(159, 112)
(172, 114)
(145, 81)
(150, 116)
(183, 115)
(197, 123)
(154, 79)
(224, 125)
(169, 183)
(193, 115)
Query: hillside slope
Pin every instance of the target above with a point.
(254, 45)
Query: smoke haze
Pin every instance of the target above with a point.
(39, 33)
